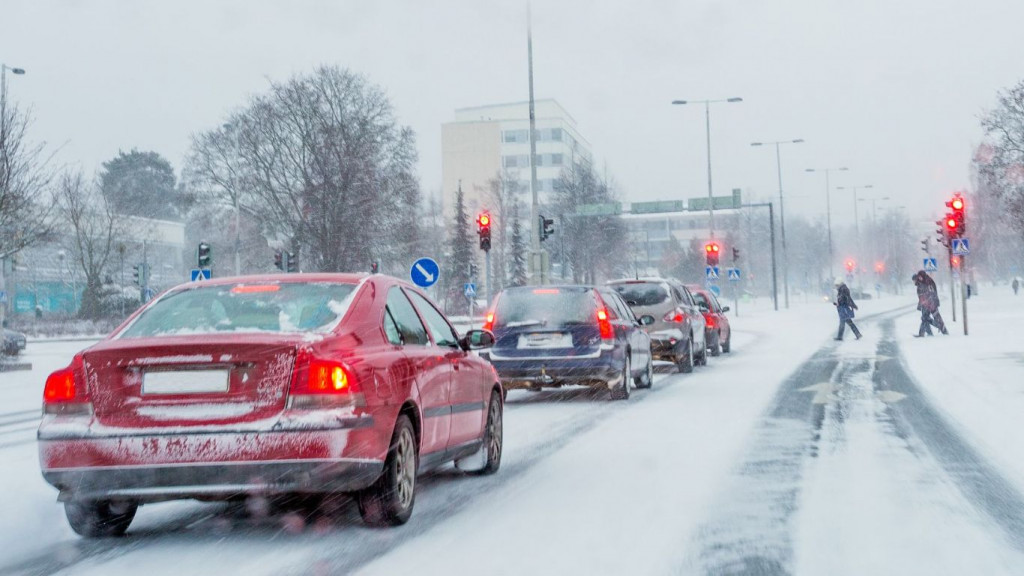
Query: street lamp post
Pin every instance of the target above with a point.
(782, 210)
(707, 128)
(828, 213)
(856, 219)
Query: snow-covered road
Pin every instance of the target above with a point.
(795, 454)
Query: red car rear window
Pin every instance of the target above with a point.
(287, 308)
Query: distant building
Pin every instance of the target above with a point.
(47, 276)
(650, 234)
(486, 140)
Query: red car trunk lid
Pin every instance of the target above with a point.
(175, 382)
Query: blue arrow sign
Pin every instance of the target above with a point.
(961, 246)
(931, 264)
(200, 274)
(470, 290)
(734, 274)
(711, 272)
(424, 272)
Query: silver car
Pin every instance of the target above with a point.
(677, 334)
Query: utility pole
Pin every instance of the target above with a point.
(538, 256)
(771, 227)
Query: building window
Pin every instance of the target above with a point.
(556, 159)
(556, 134)
(509, 161)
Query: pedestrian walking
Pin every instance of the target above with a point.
(845, 306)
(928, 304)
(1016, 285)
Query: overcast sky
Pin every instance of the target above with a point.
(891, 89)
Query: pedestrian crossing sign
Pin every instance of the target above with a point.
(961, 247)
(734, 274)
(711, 272)
(931, 264)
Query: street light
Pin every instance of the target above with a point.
(782, 210)
(707, 125)
(3, 79)
(828, 212)
(856, 219)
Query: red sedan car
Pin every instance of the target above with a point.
(300, 383)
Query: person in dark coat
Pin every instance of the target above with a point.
(845, 306)
(1016, 286)
(928, 304)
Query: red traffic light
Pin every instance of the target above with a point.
(484, 219)
(952, 223)
(957, 203)
(850, 265)
(711, 247)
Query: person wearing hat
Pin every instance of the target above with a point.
(928, 304)
(845, 306)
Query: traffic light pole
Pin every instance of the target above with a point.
(952, 280)
(963, 289)
(487, 274)
(771, 227)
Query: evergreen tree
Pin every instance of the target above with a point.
(518, 250)
(460, 249)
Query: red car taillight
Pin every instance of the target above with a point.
(317, 382)
(65, 391)
(709, 320)
(603, 324)
(674, 316)
(489, 323)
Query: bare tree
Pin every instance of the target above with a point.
(320, 162)
(587, 240)
(93, 227)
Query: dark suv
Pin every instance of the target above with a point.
(550, 336)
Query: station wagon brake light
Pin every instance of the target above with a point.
(603, 324)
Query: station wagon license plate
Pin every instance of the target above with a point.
(545, 340)
(185, 382)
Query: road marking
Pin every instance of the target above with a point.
(890, 396)
(823, 393)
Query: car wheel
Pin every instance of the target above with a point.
(621, 392)
(646, 380)
(715, 345)
(100, 518)
(493, 436)
(389, 501)
(685, 362)
(727, 345)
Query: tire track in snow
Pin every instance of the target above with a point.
(751, 528)
(979, 481)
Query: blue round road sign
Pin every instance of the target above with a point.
(424, 272)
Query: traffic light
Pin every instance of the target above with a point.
(955, 220)
(926, 245)
(941, 233)
(735, 254)
(954, 261)
(483, 229)
(879, 267)
(293, 262)
(140, 274)
(711, 250)
(472, 270)
(204, 255)
(374, 267)
(547, 228)
(850, 265)
(279, 262)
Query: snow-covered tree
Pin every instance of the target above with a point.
(322, 165)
